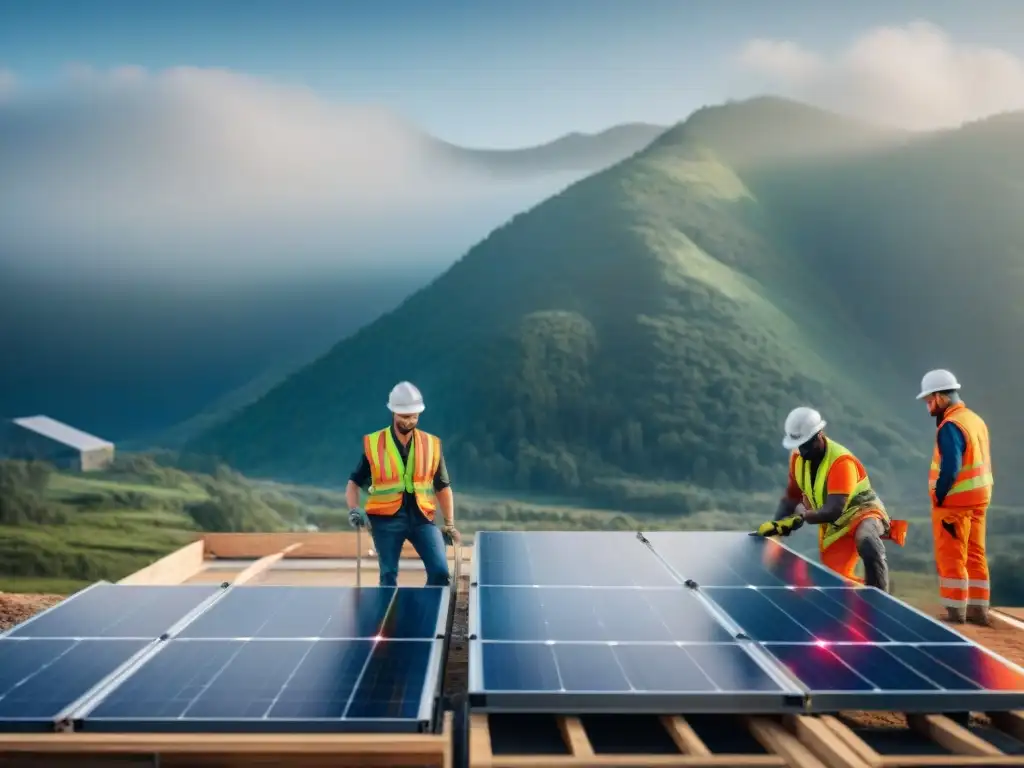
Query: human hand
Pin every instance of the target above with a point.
(357, 518)
(451, 534)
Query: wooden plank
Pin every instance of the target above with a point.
(331, 545)
(263, 564)
(852, 740)
(175, 568)
(405, 749)
(480, 752)
(822, 741)
(685, 738)
(778, 741)
(951, 736)
(575, 737)
(635, 761)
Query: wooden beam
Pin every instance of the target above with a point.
(175, 568)
(263, 564)
(952, 736)
(575, 737)
(779, 741)
(685, 738)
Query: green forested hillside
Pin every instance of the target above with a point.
(651, 326)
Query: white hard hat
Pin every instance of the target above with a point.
(938, 380)
(802, 424)
(405, 398)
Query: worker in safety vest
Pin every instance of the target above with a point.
(960, 482)
(404, 472)
(828, 486)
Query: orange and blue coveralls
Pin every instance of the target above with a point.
(960, 483)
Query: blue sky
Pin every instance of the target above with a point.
(483, 73)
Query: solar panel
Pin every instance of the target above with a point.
(324, 612)
(808, 615)
(904, 678)
(624, 677)
(118, 611)
(602, 614)
(559, 558)
(40, 678)
(749, 625)
(734, 559)
(275, 686)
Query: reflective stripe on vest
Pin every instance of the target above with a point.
(973, 484)
(391, 477)
(861, 501)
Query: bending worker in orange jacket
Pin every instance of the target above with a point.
(960, 482)
(828, 486)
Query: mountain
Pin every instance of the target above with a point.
(572, 152)
(656, 321)
(193, 258)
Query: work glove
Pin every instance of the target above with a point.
(782, 527)
(451, 534)
(357, 518)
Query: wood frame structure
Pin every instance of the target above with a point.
(800, 741)
(312, 750)
(265, 549)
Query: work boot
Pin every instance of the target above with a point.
(955, 615)
(978, 614)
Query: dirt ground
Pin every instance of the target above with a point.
(1000, 638)
(14, 609)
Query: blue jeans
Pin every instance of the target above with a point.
(390, 532)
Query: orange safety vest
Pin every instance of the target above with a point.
(972, 487)
(391, 477)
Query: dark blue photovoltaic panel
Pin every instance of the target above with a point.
(673, 614)
(937, 669)
(783, 615)
(576, 668)
(564, 559)
(118, 610)
(41, 677)
(735, 559)
(322, 612)
(271, 680)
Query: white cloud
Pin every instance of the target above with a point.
(197, 167)
(914, 76)
(8, 82)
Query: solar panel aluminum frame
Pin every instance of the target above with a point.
(79, 720)
(788, 700)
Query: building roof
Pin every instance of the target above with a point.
(62, 433)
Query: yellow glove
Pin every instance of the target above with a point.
(782, 527)
(790, 524)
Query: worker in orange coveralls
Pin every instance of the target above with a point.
(960, 483)
(829, 486)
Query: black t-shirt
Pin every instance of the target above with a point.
(363, 476)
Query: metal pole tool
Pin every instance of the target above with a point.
(359, 555)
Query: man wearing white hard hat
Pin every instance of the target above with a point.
(960, 482)
(828, 486)
(403, 470)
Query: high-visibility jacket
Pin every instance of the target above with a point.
(391, 477)
(862, 502)
(972, 487)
